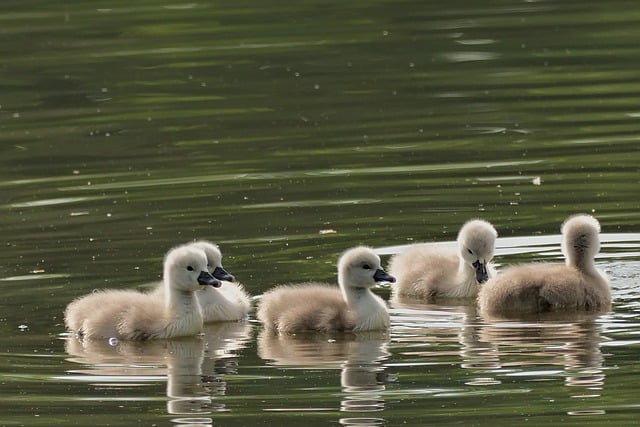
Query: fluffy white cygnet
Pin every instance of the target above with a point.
(228, 302)
(430, 272)
(322, 307)
(133, 315)
(542, 287)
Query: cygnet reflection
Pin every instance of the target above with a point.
(359, 356)
(570, 342)
(194, 367)
(430, 331)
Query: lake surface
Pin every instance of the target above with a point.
(287, 133)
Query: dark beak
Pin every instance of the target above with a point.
(220, 274)
(205, 278)
(381, 276)
(481, 272)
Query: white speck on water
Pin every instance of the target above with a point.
(327, 231)
(23, 328)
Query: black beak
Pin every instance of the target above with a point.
(220, 274)
(205, 278)
(381, 276)
(481, 271)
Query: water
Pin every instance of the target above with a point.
(288, 133)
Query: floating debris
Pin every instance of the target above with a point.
(328, 231)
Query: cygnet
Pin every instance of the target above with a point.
(542, 287)
(228, 302)
(133, 315)
(430, 272)
(351, 306)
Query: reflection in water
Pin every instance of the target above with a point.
(361, 422)
(195, 367)
(573, 344)
(359, 356)
(433, 334)
(437, 330)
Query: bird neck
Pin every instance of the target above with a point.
(180, 303)
(369, 311)
(466, 273)
(465, 284)
(582, 263)
(355, 296)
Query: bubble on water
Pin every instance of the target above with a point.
(113, 341)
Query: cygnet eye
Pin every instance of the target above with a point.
(189, 268)
(366, 267)
(470, 251)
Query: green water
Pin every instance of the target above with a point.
(287, 133)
